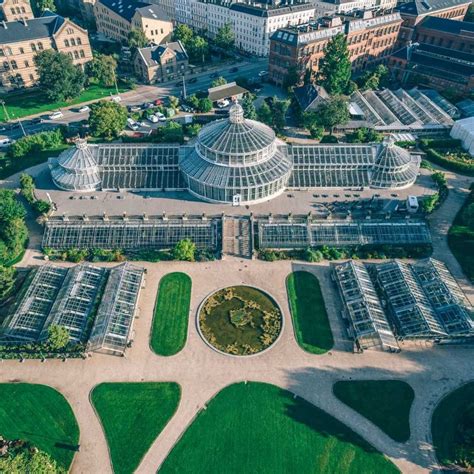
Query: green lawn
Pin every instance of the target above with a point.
(386, 403)
(452, 426)
(170, 322)
(34, 101)
(42, 416)
(310, 320)
(133, 415)
(260, 428)
(10, 166)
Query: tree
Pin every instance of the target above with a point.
(264, 114)
(10, 208)
(335, 65)
(198, 49)
(332, 112)
(279, 108)
(205, 105)
(225, 37)
(102, 69)
(249, 107)
(40, 6)
(172, 132)
(58, 337)
(137, 38)
(174, 102)
(193, 101)
(220, 81)
(58, 76)
(292, 78)
(374, 79)
(107, 119)
(185, 250)
(183, 33)
(7, 281)
(468, 215)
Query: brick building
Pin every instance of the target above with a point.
(416, 11)
(161, 63)
(20, 41)
(14, 10)
(116, 18)
(371, 37)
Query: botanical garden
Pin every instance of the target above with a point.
(240, 320)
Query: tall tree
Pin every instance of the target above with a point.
(40, 6)
(334, 111)
(102, 69)
(58, 76)
(264, 114)
(198, 49)
(335, 66)
(183, 33)
(107, 119)
(248, 106)
(137, 38)
(292, 78)
(225, 37)
(279, 108)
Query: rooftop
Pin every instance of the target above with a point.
(446, 25)
(424, 7)
(37, 28)
(127, 8)
(152, 55)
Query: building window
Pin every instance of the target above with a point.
(40, 46)
(14, 65)
(27, 64)
(6, 65)
(66, 43)
(73, 42)
(22, 51)
(1, 52)
(82, 53)
(33, 47)
(69, 31)
(8, 50)
(78, 41)
(69, 54)
(32, 77)
(76, 55)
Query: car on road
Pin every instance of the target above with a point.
(263, 74)
(84, 108)
(193, 80)
(153, 118)
(134, 108)
(223, 103)
(214, 75)
(6, 142)
(56, 115)
(233, 69)
(131, 124)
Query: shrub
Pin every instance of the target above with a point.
(185, 250)
(41, 206)
(37, 142)
(448, 154)
(329, 139)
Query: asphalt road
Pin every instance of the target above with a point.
(142, 94)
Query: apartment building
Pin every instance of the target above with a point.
(20, 41)
(371, 37)
(116, 18)
(161, 63)
(168, 6)
(334, 7)
(14, 10)
(416, 11)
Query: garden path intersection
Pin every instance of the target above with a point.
(202, 372)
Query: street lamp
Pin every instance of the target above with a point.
(5, 111)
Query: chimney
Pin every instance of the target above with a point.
(24, 21)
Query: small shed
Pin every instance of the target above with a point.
(230, 90)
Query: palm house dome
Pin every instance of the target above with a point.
(394, 166)
(237, 160)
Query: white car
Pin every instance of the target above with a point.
(116, 98)
(160, 117)
(6, 142)
(84, 108)
(132, 124)
(263, 74)
(144, 124)
(56, 115)
(153, 118)
(222, 103)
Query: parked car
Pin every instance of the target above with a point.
(148, 105)
(160, 117)
(234, 69)
(131, 124)
(158, 102)
(144, 124)
(56, 115)
(6, 142)
(134, 108)
(84, 108)
(223, 103)
(263, 74)
(193, 80)
(153, 118)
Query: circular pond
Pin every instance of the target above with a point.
(240, 320)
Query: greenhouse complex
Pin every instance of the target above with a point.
(389, 302)
(96, 305)
(234, 160)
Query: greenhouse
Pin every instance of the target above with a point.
(368, 322)
(233, 160)
(129, 233)
(113, 325)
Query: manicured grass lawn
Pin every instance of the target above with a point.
(34, 101)
(10, 166)
(386, 403)
(42, 416)
(170, 322)
(133, 415)
(260, 428)
(452, 421)
(310, 320)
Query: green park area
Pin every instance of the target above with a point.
(170, 322)
(257, 427)
(310, 319)
(452, 428)
(41, 416)
(132, 416)
(27, 102)
(386, 403)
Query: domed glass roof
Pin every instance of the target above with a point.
(236, 141)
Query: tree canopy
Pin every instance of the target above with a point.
(58, 337)
(220, 81)
(196, 46)
(102, 69)
(332, 112)
(335, 66)
(225, 37)
(374, 79)
(58, 76)
(137, 38)
(249, 107)
(7, 281)
(107, 119)
(40, 6)
(185, 250)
